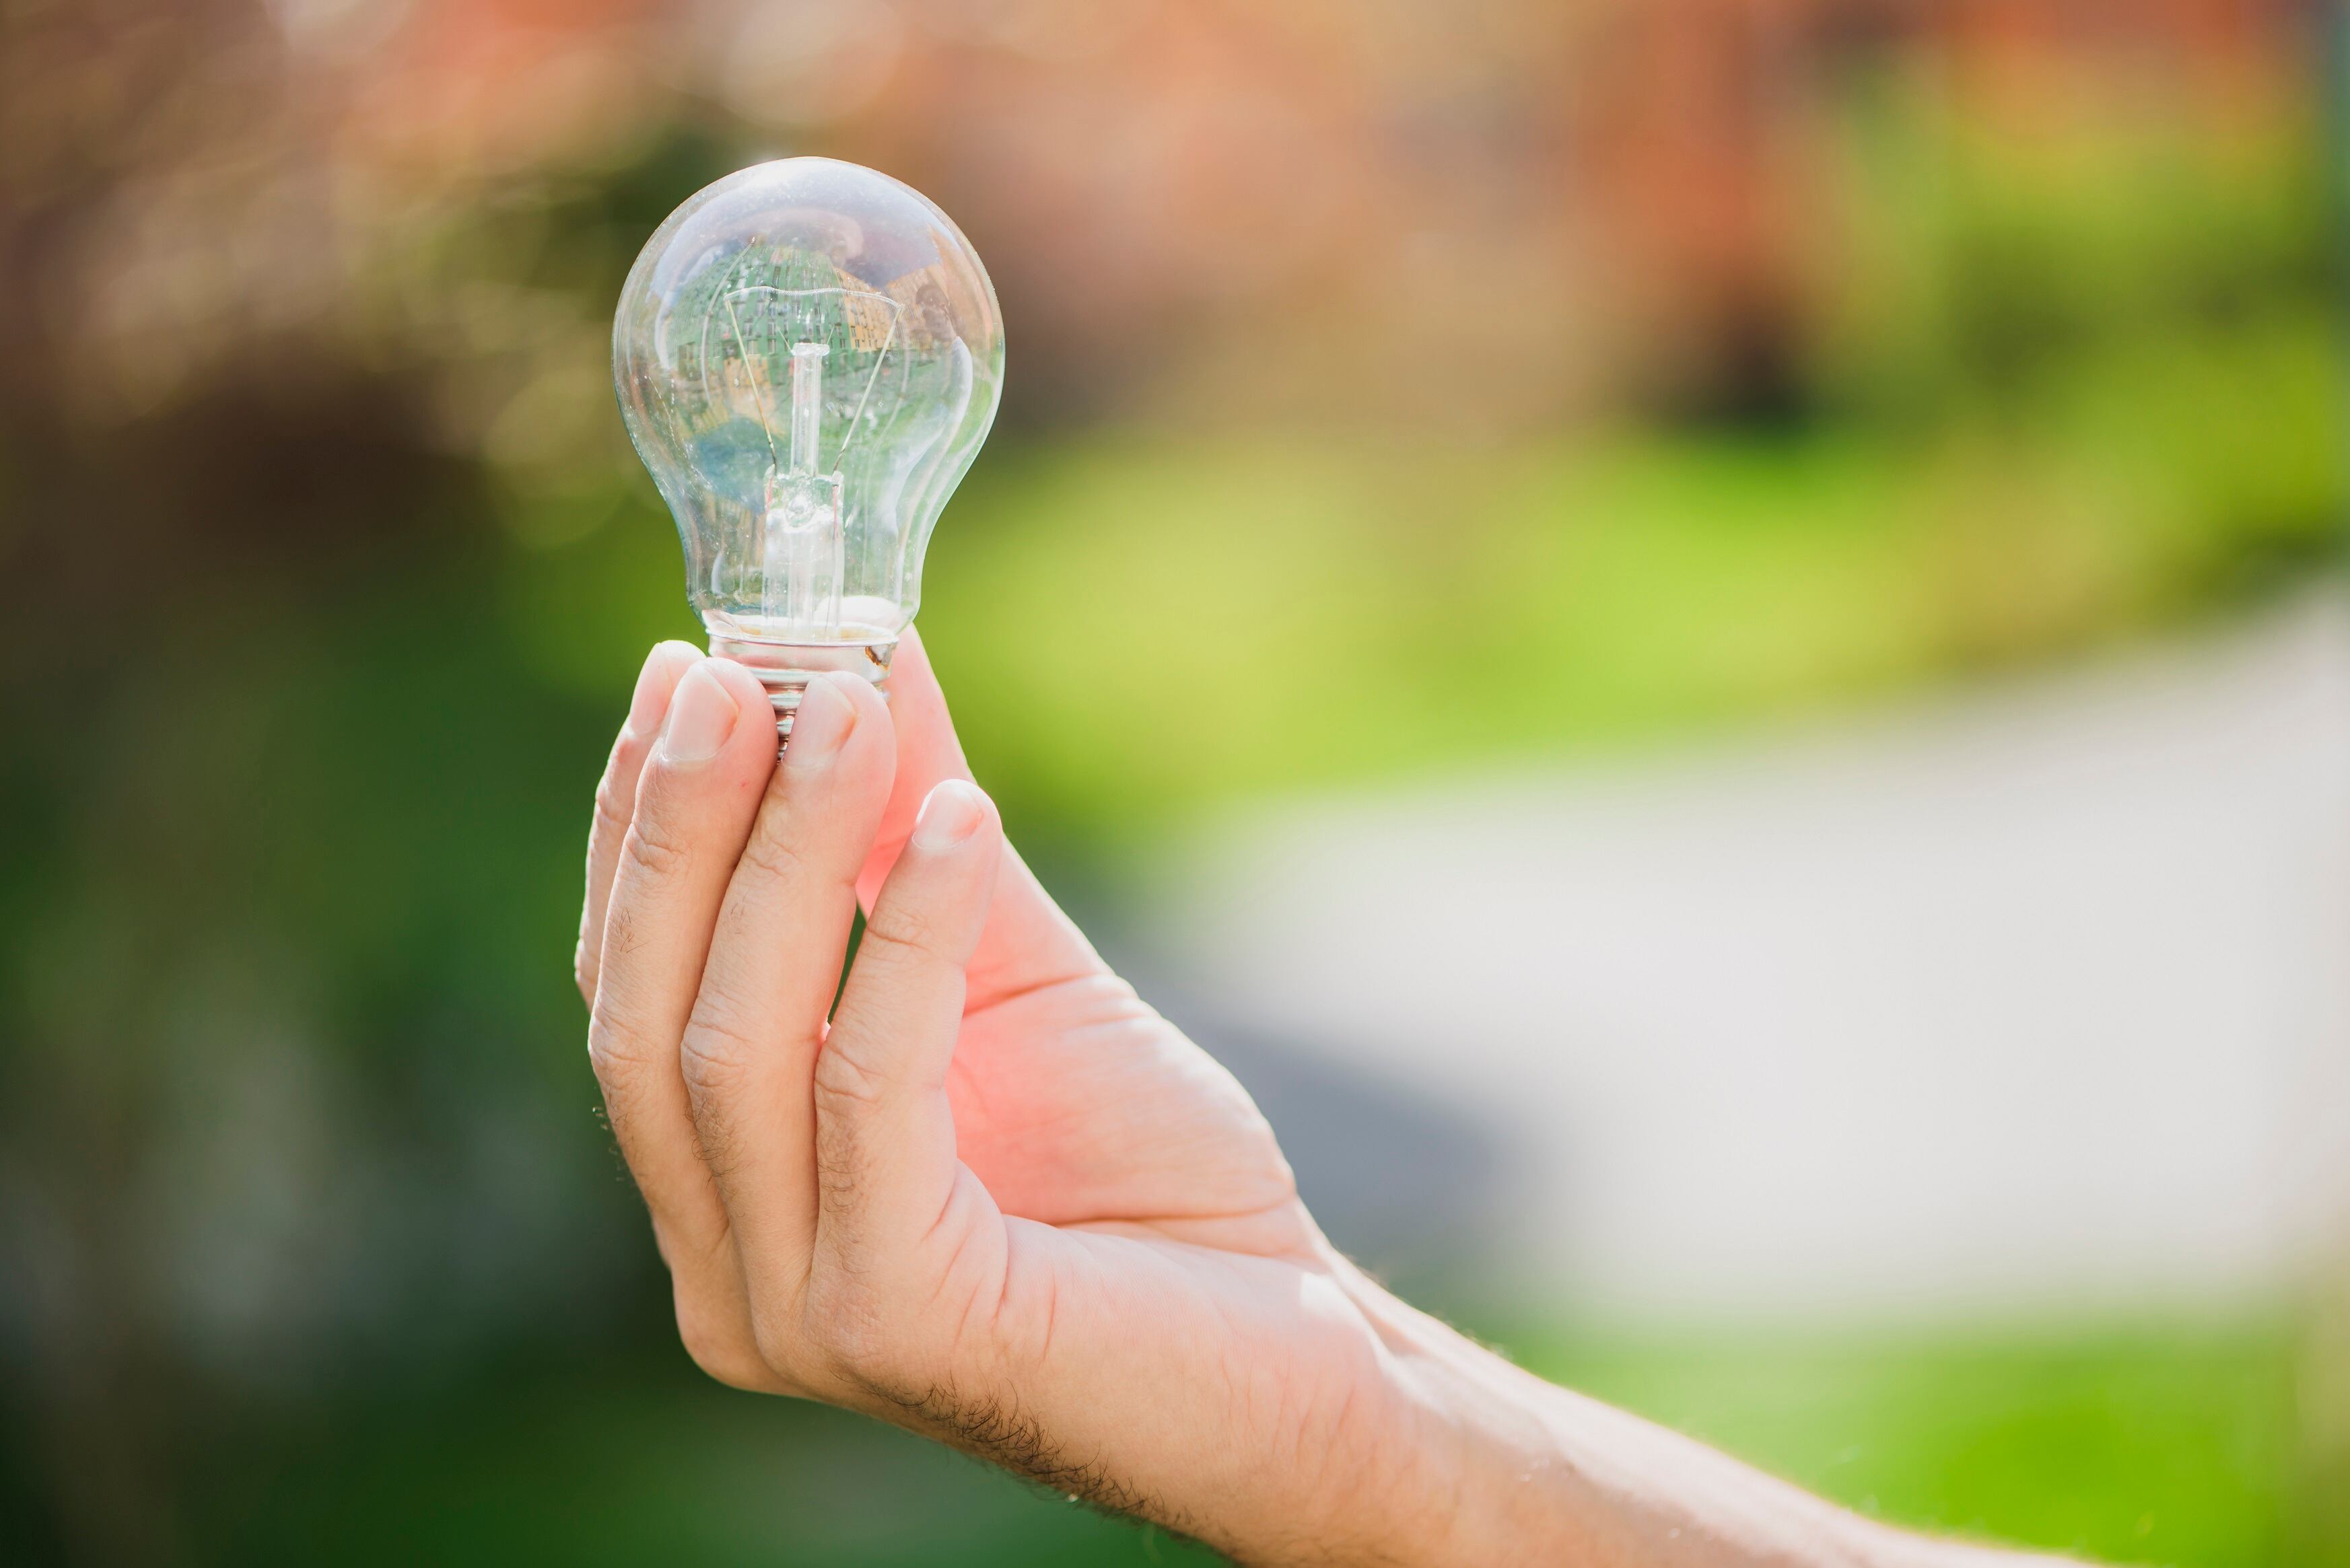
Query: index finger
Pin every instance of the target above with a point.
(693, 814)
(616, 799)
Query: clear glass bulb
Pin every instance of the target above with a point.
(809, 355)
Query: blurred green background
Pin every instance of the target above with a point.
(1581, 373)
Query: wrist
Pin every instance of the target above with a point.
(1453, 1457)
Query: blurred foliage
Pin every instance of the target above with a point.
(2122, 1443)
(2067, 394)
(640, 1464)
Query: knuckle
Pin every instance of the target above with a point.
(653, 848)
(836, 1159)
(717, 1061)
(617, 1053)
(605, 1055)
(583, 972)
(771, 853)
(906, 933)
(716, 1053)
(845, 1082)
(609, 815)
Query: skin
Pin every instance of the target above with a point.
(1000, 1201)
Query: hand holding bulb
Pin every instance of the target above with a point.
(991, 1196)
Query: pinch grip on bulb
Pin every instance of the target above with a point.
(784, 669)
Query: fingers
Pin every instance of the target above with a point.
(615, 798)
(694, 804)
(774, 963)
(884, 1137)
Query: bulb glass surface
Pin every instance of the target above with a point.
(809, 355)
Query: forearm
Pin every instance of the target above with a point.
(1506, 1468)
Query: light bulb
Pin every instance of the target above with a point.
(808, 356)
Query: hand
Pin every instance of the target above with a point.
(1000, 1200)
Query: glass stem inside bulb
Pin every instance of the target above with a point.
(802, 552)
(808, 404)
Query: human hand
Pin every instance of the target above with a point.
(996, 1199)
(999, 1200)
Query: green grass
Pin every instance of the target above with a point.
(2170, 1444)
(1135, 631)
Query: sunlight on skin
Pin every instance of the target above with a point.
(999, 1200)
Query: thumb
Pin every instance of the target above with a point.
(928, 752)
(885, 1137)
(1027, 942)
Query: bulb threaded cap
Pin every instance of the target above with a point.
(784, 669)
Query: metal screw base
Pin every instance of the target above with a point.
(784, 669)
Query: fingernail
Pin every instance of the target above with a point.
(952, 813)
(655, 685)
(701, 717)
(822, 724)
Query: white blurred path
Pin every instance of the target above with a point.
(2036, 996)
